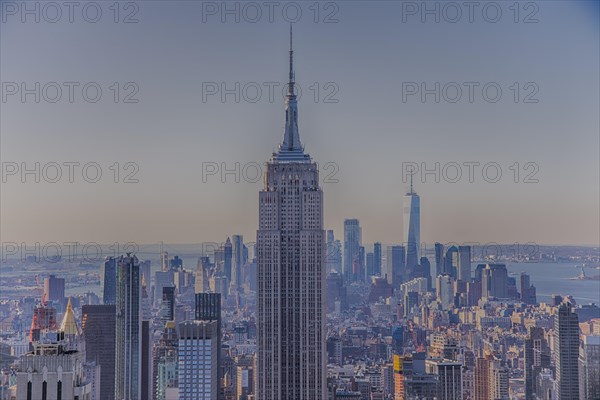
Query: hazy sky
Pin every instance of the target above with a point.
(369, 61)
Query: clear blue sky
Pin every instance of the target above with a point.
(368, 54)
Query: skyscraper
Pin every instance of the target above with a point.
(451, 262)
(528, 292)
(198, 368)
(439, 259)
(227, 259)
(494, 281)
(589, 367)
(164, 261)
(333, 259)
(412, 227)
(566, 349)
(464, 263)
(370, 265)
(128, 354)
(208, 308)
(162, 279)
(352, 244)
(168, 304)
(291, 273)
(483, 368)
(54, 289)
(445, 290)
(377, 258)
(238, 262)
(98, 326)
(537, 357)
(395, 265)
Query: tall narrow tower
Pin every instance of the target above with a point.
(128, 333)
(412, 227)
(566, 348)
(291, 271)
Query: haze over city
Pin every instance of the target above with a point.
(368, 53)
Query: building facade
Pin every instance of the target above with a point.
(198, 376)
(291, 270)
(128, 333)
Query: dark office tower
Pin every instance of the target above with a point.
(439, 259)
(227, 259)
(360, 265)
(566, 352)
(513, 293)
(451, 262)
(168, 303)
(528, 292)
(291, 270)
(98, 327)
(377, 258)
(479, 272)
(423, 270)
(464, 263)
(537, 357)
(396, 265)
(109, 280)
(176, 264)
(556, 299)
(208, 308)
(146, 380)
(370, 265)
(494, 281)
(54, 289)
(352, 244)
(128, 354)
(239, 260)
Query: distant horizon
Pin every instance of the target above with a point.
(359, 118)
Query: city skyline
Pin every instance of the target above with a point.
(401, 132)
(432, 233)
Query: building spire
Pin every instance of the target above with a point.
(291, 76)
(291, 148)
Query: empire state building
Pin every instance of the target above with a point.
(291, 274)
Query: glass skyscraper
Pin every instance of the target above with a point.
(109, 281)
(412, 228)
(128, 354)
(352, 244)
